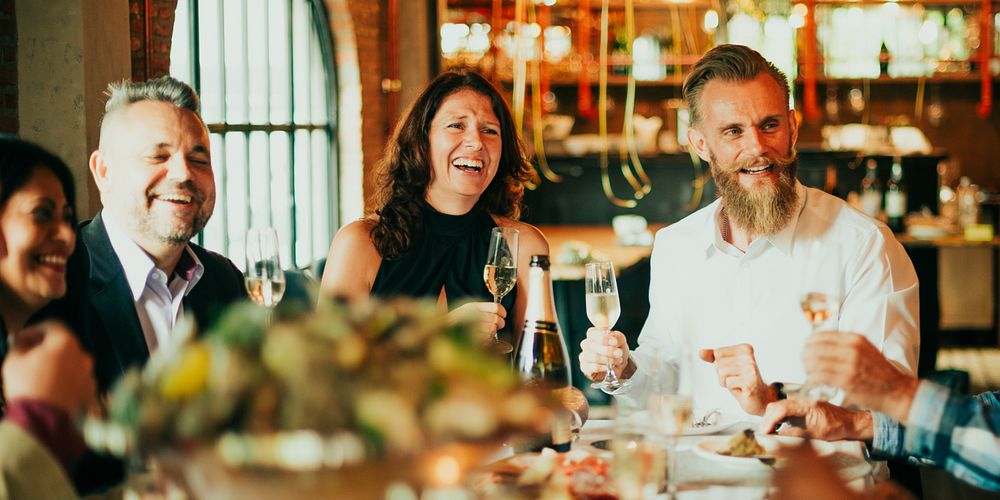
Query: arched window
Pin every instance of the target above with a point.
(264, 71)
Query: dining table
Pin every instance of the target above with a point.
(698, 477)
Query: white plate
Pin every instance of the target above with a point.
(711, 446)
(724, 422)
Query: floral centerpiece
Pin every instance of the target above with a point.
(371, 383)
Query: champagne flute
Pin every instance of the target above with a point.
(819, 307)
(264, 278)
(603, 309)
(500, 273)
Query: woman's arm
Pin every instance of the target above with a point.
(352, 262)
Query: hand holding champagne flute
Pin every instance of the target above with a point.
(603, 309)
(500, 273)
(264, 278)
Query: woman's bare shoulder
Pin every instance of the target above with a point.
(531, 238)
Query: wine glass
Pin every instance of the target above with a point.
(670, 405)
(820, 308)
(500, 273)
(264, 278)
(603, 309)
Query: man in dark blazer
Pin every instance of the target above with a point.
(137, 272)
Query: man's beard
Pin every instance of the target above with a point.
(175, 230)
(766, 208)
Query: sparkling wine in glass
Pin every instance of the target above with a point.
(500, 273)
(264, 278)
(603, 310)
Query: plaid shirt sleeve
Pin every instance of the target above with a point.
(960, 433)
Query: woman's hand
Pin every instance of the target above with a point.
(489, 316)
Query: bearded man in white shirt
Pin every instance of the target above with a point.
(728, 279)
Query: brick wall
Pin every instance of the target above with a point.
(369, 28)
(8, 68)
(151, 38)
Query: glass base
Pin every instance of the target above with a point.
(500, 346)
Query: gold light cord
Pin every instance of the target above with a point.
(520, 71)
(627, 149)
(700, 178)
(537, 126)
(602, 113)
(918, 106)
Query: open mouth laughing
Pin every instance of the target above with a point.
(757, 170)
(468, 165)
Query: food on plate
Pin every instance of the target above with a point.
(743, 444)
(577, 474)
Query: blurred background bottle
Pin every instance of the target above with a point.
(871, 190)
(968, 203)
(895, 198)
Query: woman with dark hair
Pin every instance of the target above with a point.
(453, 170)
(37, 230)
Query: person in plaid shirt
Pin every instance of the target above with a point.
(915, 419)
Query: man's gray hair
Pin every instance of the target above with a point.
(166, 89)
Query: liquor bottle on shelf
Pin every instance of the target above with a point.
(968, 203)
(542, 358)
(871, 190)
(895, 198)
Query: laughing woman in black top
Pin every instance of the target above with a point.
(453, 170)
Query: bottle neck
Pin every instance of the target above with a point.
(541, 306)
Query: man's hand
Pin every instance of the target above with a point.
(46, 363)
(600, 349)
(822, 420)
(849, 361)
(490, 316)
(737, 371)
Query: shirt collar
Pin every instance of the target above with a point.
(138, 265)
(782, 240)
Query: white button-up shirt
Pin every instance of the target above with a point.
(158, 298)
(704, 294)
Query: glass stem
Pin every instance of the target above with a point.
(496, 337)
(610, 378)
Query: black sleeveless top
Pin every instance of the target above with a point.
(449, 251)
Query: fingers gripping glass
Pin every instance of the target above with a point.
(603, 309)
(500, 273)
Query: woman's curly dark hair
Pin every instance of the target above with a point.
(405, 170)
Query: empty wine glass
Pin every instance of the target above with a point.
(500, 273)
(264, 278)
(603, 309)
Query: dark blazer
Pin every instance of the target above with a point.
(100, 309)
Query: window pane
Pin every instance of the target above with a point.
(237, 201)
(257, 41)
(304, 203)
(236, 61)
(318, 113)
(320, 230)
(279, 47)
(210, 61)
(281, 193)
(301, 31)
(180, 44)
(214, 234)
(259, 181)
